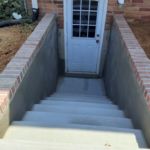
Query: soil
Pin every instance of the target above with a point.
(11, 39)
(142, 33)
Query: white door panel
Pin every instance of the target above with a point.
(84, 35)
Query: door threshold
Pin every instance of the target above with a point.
(82, 75)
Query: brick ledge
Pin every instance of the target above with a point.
(139, 60)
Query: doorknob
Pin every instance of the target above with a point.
(97, 38)
(97, 41)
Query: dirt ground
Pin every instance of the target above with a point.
(11, 38)
(142, 33)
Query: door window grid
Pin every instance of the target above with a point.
(84, 18)
(80, 18)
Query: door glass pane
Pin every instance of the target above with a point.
(91, 31)
(93, 18)
(76, 30)
(85, 4)
(76, 4)
(83, 31)
(76, 17)
(94, 4)
(84, 17)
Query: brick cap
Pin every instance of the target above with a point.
(139, 60)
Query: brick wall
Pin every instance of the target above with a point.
(134, 9)
(47, 6)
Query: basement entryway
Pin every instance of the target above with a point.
(84, 29)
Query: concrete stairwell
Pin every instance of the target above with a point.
(79, 116)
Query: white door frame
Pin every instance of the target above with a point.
(103, 18)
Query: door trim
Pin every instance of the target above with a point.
(105, 4)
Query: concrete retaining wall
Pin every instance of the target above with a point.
(31, 75)
(127, 75)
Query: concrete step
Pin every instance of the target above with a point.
(71, 136)
(79, 104)
(103, 100)
(78, 95)
(138, 134)
(80, 85)
(28, 145)
(101, 93)
(79, 110)
(78, 119)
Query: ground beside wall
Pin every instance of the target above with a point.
(11, 39)
(142, 33)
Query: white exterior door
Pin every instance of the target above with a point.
(84, 28)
